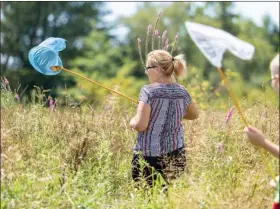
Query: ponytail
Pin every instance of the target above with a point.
(180, 68)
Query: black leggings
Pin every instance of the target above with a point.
(169, 166)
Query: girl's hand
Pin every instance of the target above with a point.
(273, 182)
(255, 136)
(132, 122)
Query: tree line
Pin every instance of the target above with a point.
(93, 51)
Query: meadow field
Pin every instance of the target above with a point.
(80, 157)
(66, 143)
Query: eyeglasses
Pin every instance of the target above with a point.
(147, 68)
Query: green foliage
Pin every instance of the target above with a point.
(26, 24)
(122, 82)
(96, 54)
(218, 15)
(7, 99)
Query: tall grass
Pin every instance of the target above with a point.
(81, 158)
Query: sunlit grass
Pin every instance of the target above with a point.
(81, 158)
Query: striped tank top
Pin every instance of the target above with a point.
(165, 131)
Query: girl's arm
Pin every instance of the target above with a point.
(140, 122)
(191, 112)
(257, 138)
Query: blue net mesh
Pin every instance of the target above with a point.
(45, 55)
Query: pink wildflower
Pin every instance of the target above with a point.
(140, 53)
(163, 38)
(156, 32)
(16, 97)
(166, 45)
(51, 103)
(229, 114)
(176, 37)
(6, 81)
(164, 33)
(155, 29)
(150, 27)
(147, 39)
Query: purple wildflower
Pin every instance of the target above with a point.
(166, 45)
(220, 147)
(164, 33)
(153, 36)
(147, 39)
(150, 27)
(163, 38)
(6, 81)
(16, 97)
(140, 53)
(51, 103)
(229, 114)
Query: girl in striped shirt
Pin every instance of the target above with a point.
(162, 106)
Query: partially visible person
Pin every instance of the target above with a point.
(274, 68)
(257, 138)
(255, 135)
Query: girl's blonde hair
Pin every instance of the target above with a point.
(168, 63)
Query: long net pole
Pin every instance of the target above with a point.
(98, 84)
(224, 80)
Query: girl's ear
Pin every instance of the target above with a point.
(158, 69)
